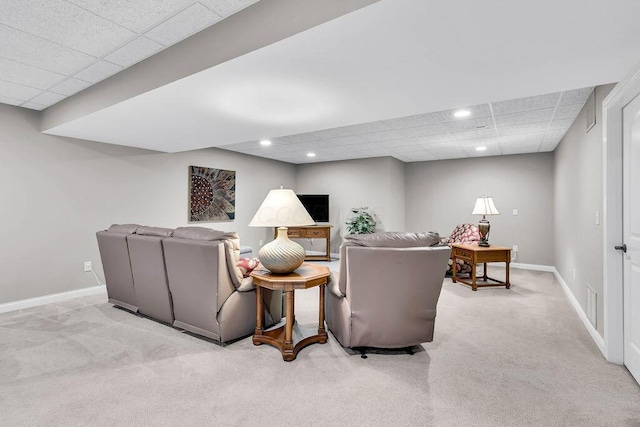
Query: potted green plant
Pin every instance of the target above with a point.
(361, 222)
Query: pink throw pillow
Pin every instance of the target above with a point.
(247, 265)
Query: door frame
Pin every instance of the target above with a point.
(612, 132)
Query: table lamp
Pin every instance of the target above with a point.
(484, 206)
(281, 208)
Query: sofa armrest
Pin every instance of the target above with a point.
(332, 285)
(246, 285)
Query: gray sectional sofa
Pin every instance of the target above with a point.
(185, 277)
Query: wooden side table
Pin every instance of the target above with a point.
(290, 338)
(474, 254)
(311, 232)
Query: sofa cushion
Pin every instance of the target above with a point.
(203, 233)
(247, 265)
(123, 228)
(231, 243)
(154, 231)
(393, 239)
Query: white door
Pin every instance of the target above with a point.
(631, 234)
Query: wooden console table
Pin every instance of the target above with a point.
(475, 254)
(311, 232)
(290, 338)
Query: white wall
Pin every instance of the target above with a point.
(578, 196)
(441, 194)
(377, 183)
(55, 193)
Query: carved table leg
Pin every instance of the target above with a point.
(321, 330)
(259, 314)
(288, 354)
(474, 285)
(453, 269)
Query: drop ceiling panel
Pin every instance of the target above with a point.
(138, 15)
(521, 148)
(15, 72)
(28, 49)
(133, 52)
(525, 138)
(98, 71)
(392, 144)
(520, 129)
(563, 124)
(433, 139)
(61, 22)
(10, 101)
(567, 111)
(344, 140)
(33, 106)
(384, 136)
(413, 121)
(16, 91)
(333, 133)
(184, 24)
(368, 128)
(526, 104)
(469, 125)
(421, 131)
(47, 98)
(225, 8)
(576, 96)
(473, 135)
(70, 86)
(533, 116)
(303, 137)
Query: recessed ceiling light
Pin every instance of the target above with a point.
(311, 154)
(462, 113)
(265, 142)
(481, 148)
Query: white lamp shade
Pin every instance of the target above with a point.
(281, 208)
(485, 206)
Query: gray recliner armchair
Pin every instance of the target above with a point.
(386, 292)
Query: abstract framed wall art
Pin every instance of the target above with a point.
(212, 194)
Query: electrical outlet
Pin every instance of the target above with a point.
(515, 212)
(515, 248)
(597, 218)
(260, 243)
(88, 266)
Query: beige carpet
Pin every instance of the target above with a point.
(500, 358)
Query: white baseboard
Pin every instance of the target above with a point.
(48, 299)
(536, 267)
(583, 316)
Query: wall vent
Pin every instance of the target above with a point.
(592, 299)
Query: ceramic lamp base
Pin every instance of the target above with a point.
(282, 255)
(484, 227)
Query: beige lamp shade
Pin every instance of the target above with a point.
(485, 206)
(281, 208)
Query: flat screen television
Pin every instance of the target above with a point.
(317, 205)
